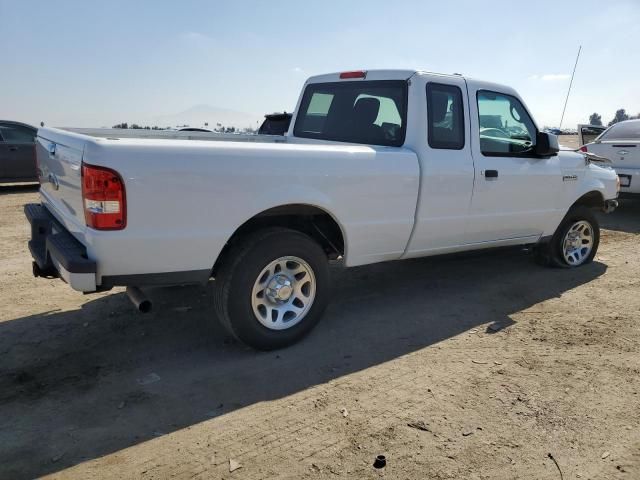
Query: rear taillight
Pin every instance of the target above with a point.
(103, 197)
(584, 148)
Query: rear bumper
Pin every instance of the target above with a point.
(56, 252)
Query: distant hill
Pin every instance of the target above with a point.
(198, 115)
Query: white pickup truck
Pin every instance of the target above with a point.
(376, 166)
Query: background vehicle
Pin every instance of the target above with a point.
(275, 124)
(17, 152)
(376, 166)
(588, 133)
(620, 143)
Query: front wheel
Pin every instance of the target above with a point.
(273, 288)
(574, 243)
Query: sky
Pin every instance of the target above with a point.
(90, 64)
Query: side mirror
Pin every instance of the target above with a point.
(546, 144)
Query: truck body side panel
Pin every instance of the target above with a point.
(185, 199)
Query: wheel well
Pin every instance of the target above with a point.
(310, 220)
(593, 199)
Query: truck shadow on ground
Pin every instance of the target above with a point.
(81, 384)
(626, 218)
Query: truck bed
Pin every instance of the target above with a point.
(185, 198)
(175, 135)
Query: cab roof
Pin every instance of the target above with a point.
(404, 74)
(370, 75)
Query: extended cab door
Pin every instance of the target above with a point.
(515, 192)
(440, 136)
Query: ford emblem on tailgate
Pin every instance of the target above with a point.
(53, 180)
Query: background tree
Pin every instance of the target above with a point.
(621, 115)
(121, 125)
(595, 119)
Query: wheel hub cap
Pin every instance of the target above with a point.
(279, 289)
(573, 240)
(578, 243)
(283, 293)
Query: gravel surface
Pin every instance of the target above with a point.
(471, 367)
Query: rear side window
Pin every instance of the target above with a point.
(445, 116)
(17, 134)
(355, 112)
(622, 131)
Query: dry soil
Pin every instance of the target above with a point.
(473, 367)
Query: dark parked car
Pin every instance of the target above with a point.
(275, 124)
(17, 152)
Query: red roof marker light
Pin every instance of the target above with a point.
(355, 74)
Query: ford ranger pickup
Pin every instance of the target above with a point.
(376, 166)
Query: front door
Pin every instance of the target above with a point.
(515, 191)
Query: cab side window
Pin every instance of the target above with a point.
(506, 129)
(445, 116)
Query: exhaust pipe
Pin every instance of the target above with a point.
(139, 299)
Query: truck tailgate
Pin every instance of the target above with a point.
(59, 156)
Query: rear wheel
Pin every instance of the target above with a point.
(273, 288)
(574, 243)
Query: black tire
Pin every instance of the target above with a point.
(551, 253)
(239, 271)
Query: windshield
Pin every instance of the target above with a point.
(354, 112)
(629, 130)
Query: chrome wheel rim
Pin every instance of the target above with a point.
(283, 293)
(578, 243)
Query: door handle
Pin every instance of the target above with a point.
(13, 149)
(491, 174)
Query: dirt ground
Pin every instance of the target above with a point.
(473, 367)
(568, 141)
